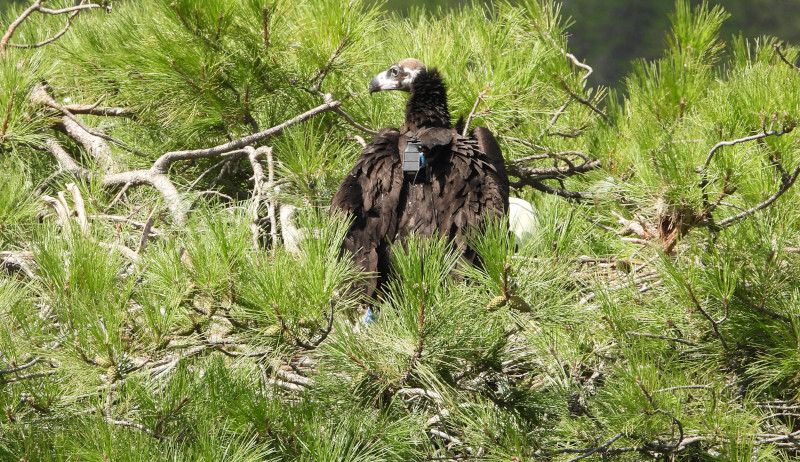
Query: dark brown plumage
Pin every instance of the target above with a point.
(464, 178)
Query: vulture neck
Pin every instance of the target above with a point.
(427, 105)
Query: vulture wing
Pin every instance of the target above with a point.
(370, 194)
(489, 146)
(465, 184)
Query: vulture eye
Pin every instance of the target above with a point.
(393, 71)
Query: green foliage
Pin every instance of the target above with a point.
(207, 341)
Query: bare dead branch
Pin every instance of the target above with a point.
(140, 427)
(525, 143)
(13, 27)
(65, 161)
(165, 161)
(78, 130)
(94, 144)
(758, 136)
(159, 181)
(156, 176)
(416, 392)
(780, 438)
(79, 207)
(585, 102)
(352, 122)
(601, 448)
(34, 375)
(146, 232)
(552, 173)
(638, 227)
(121, 219)
(662, 337)
(100, 110)
(22, 367)
(270, 190)
(230, 157)
(82, 6)
(61, 208)
(539, 186)
(478, 101)
(37, 6)
(51, 39)
(786, 182)
(260, 187)
(558, 113)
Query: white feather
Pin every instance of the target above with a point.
(521, 220)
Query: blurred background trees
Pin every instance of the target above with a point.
(610, 34)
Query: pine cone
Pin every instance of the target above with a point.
(112, 375)
(496, 303)
(102, 361)
(518, 303)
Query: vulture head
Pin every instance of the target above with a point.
(427, 103)
(399, 76)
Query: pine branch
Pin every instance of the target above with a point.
(552, 173)
(478, 101)
(37, 6)
(662, 337)
(585, 102)
(721, 144)
(777, 47)
(21, 367)
(565, 193)
(165, 161)
(714, 324)
(352, 122)
(322, 73)
(100, 111)
(786, 182)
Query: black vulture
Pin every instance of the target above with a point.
(424, 178)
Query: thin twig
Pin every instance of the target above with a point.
(21, 367)
(146, 232)
(140, 427)
(556, 116)
(585, 102)
(352, 122)
(777, 47)
(565, 193)
(54, 37)
(758, 136)
(714, 324)
(322, 73)
(786, 182)
(478, 101)
(70, 9)
(7, 36)
(598, 449)
(662, 337)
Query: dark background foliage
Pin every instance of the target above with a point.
(609, 34)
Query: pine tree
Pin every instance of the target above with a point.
(149, 310)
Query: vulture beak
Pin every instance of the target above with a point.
(374, 85)
(383, 82)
